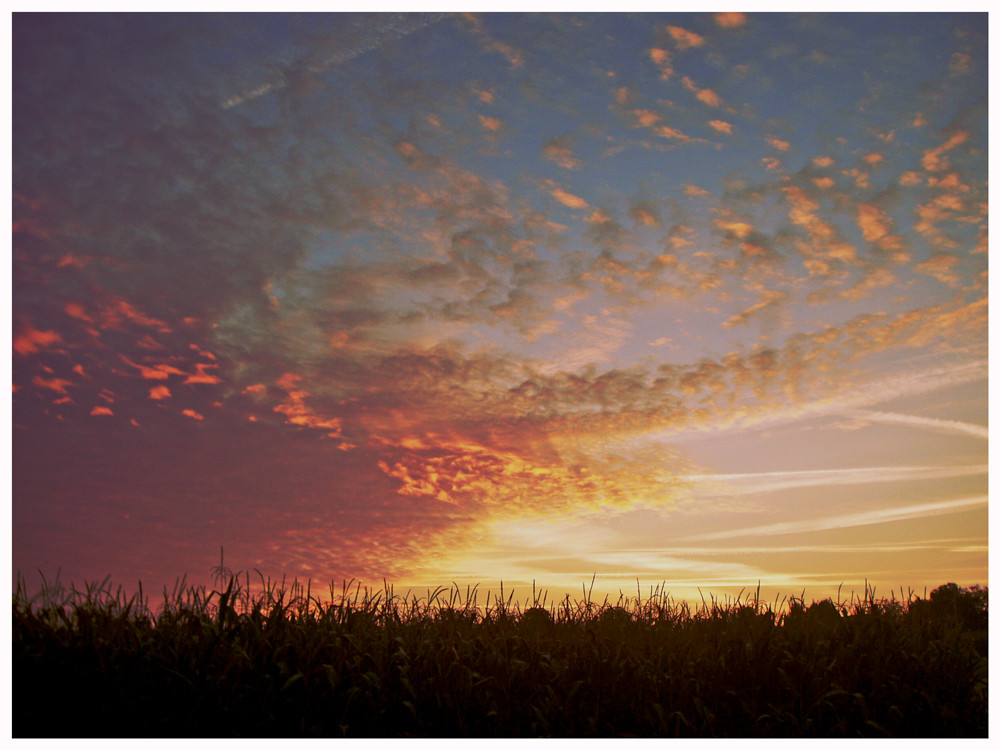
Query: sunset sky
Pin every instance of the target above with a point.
(693, 299)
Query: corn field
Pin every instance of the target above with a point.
(270, 660)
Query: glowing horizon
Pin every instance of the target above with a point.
(695, 299)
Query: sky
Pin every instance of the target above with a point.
(620, 300)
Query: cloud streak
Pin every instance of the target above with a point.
(849, 520)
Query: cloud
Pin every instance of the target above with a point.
(938, 425)
(646, 214)
(730, 20)
(683, 38)
(942, 267)
(851, 520)
(707, 96)
(560, 151)
(389, 28)
(514, 57)
(492, 124)
(58, 385)
(159, 392)
(746, 484)
(778, 144)
(770, 298)
(722, 126)
(661, 58)
(934, 159)
(960, 64)
(29, 340)
(567, 199)
(873, 222)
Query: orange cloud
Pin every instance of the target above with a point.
(685, 39)
(667, 132)
(559, 151)
(778, 144)
(201, 376)
(769, 299)
(490, 123)
(512, 55)
(117, 311)
(568, 199)
(57, 385)
(730, 20)
(645, 215)
(193, 414)
(75, 310)
(934, 159)
(98, 411)
(202, 352)
(825, 243)
(873, 222)
(295, 410)
(157, 372)
(159, 392)
(823, 161)
(721, 126)
(30, 340)
(706, 96)
(738, 229)
(662, 60)
(960, 64)
(647, 118)
(941, 266)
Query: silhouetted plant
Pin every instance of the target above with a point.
(273, 660)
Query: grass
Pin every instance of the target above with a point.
(273, 660)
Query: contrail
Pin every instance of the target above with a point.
(769, 481)
(397, 27)
(942, 425)
(867, 518)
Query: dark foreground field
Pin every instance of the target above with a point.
(373, 664)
